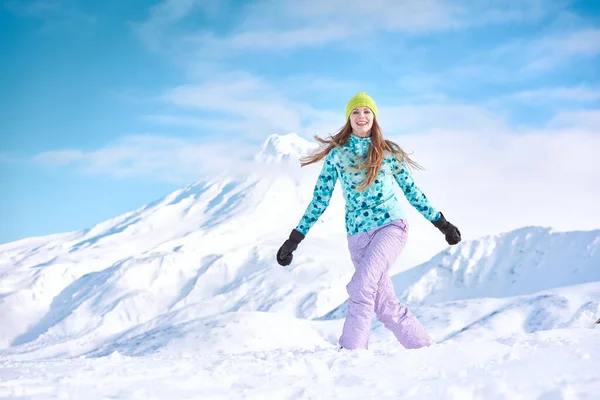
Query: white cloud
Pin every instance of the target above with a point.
(269, 39)
(510, 11)
(176, 120)
(551, 51)
(158, 158)
(266, 109)
(575, 94)
(583, 119)
(400, 15)
(268, 25)
(454, 117)
(248, 107)
(166, 14)
(421, 83)
(410, 16)
(526, 59)
(208, 127)
(579, 42)
(61, 157)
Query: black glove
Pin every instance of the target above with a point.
(284, 255)
(452, 233)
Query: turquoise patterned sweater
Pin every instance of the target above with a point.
(375, 206)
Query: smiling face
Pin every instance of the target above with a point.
(361, 119)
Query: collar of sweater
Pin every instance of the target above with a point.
(359, 144)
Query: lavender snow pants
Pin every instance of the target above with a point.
(371, 290)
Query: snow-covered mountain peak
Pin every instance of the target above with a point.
(277, 148)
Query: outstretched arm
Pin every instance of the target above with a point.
(321, 195)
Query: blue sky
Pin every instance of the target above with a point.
(107, 106)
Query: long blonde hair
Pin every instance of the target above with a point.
(374, 158)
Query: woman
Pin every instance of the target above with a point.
(367, 165)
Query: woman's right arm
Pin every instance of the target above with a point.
(321, 195)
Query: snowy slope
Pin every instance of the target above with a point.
(553, 365)
(524, 261)
(203, 250)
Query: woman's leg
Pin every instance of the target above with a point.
(372, 253)
(398, 318)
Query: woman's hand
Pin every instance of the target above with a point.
(450, 231)
(285, 252)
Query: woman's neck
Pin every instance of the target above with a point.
(363, 135)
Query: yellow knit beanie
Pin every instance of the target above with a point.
(361, 99)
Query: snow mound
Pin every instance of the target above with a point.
(561, 364)
(523, 261)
